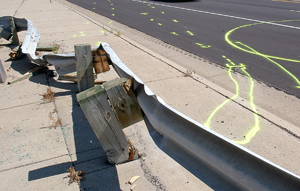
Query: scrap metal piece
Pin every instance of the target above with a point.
(63, 63)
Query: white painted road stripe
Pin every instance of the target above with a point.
(218, 14)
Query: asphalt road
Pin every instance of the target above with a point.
(259, 38)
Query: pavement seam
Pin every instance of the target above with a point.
(33, 163)
(21, 105)
(61, 126)
(163, 79)
(18, 8)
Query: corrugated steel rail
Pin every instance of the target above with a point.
(199, 146)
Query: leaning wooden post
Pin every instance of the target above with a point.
(104, 123)
(15, 38)
(107, 123)
(123, 100)
(84, 67)
(2, 73)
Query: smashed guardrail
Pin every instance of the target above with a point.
(63, 63)
(191, 142)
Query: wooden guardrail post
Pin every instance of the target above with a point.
(123, 101)
(15, 38)
(2, 73)
(84, 67)
(107, 123)
(104, 123)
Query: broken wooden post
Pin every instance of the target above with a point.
(84, 66)
(107, 123)
(15, 38)
(123, 101)
(100, 60)
(2, 73)
(4, 34)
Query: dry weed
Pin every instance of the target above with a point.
(189, 73)
(49, 96)
(74, 175)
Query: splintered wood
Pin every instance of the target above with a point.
(100, 61)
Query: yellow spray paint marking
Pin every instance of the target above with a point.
(98, 43)
(144, 13)
(270, 58)
(87, 23)
(237, 90)
(151, 19)
(94, 3)
(174, 33)
(113, 15)
(159, 24)
(190, 33)
(112, 8)
(202, 45)
(174, 20)
(94, 8)
(272, 61)
(81, 34)
(92, 13)
(257, 53)
(163, 12)
(256, 127)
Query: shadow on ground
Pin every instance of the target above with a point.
(89, 156)
(209, 175)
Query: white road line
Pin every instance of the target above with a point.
(295, 11)
(223, 15)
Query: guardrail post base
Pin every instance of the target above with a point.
(107, 123)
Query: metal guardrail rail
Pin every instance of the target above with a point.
(63, 63)
(234, 163)
(191, 142)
